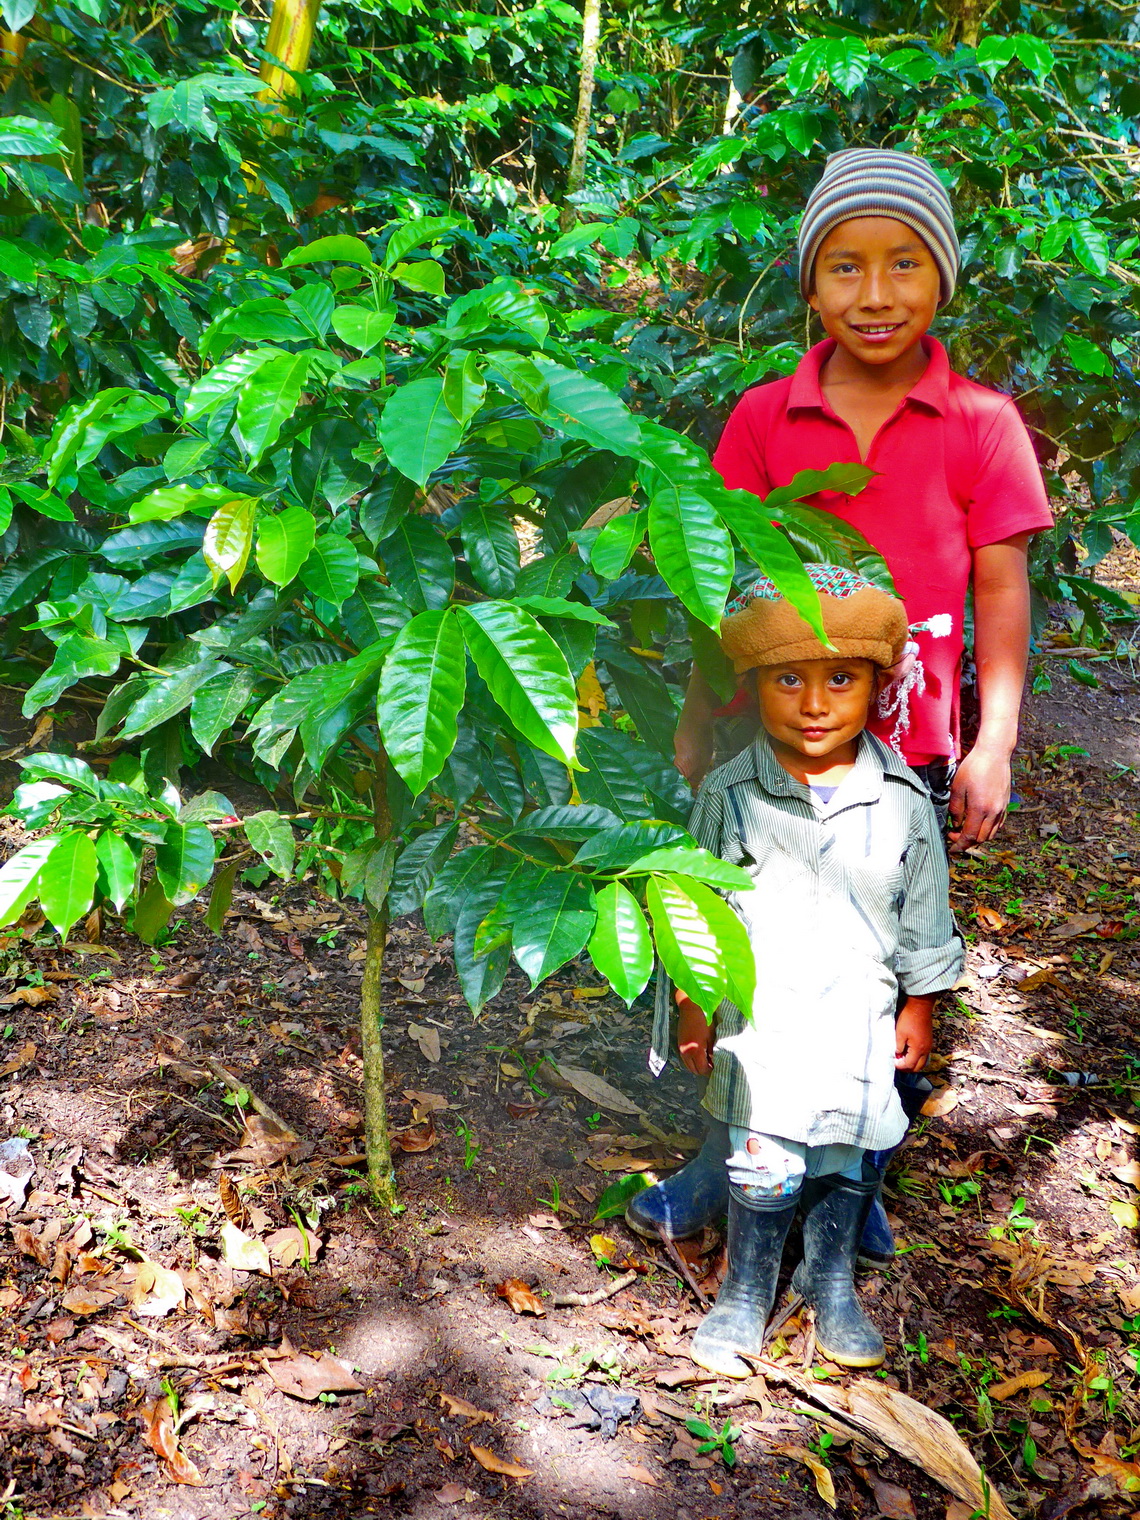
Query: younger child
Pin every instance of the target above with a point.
(849, 907)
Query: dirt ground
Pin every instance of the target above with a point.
(202, 1315)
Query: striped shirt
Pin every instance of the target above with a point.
(850, 905)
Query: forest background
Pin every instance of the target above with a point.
(310, 317)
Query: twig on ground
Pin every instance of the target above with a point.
(236, 1085)
(683, 1267)
(599, 1295)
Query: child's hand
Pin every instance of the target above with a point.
(914, 1034)
(695, 1036)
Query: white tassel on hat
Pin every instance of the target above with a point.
(909, 676)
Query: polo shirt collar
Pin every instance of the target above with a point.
(932, 390)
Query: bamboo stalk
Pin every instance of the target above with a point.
(289, 44)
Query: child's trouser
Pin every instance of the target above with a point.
(768, 1166)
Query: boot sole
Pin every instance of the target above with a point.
(729, 1364)
(652, 1232)
(847, 1360)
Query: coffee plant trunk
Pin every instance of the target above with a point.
(288, 43)
(376, 1142)
(591, 27)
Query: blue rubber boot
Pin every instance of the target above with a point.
(734, 1326)
(695, 1196)
(877, 1244)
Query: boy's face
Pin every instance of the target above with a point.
(876, 287)
(815, 710)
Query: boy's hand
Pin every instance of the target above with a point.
(695, 1036)
(979, 796)
(914, 1034)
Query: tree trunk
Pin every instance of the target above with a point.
(289, 43)
(967, 17)
(591, 28)
(376, 1143)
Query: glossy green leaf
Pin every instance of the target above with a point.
(414, 233)
(284, 543)
(153, 912)
(221, 897)
(362, 327)
(76, 658)
(272, 837)
(750, 520)
(420, 564)
(692, 551)
(69, 768)
(615, 848)
(166, 697)
(229, 538)
(19, 876)
(374, 614)
(425, 275)
(646, 698)
(571, 822)
(517, 373)
(118, 867)
(700, 864)
(584, 408)
(421, 691)
(551, 922)
(224, 380)
(702, 944)
(617, 541)
(615, 1198)
(526, 674)
(492, 548)
(332, 569)
(340, 248)
(456, 879)
(184, 861)
(267, 400)
(1090, 244)
(620, 945)
(326, 465)
(480, 976)
(418, 431)
(418, 865)
(218, 703)
(463, 385)
(629, 778)
(67, 881)
(1086, 356)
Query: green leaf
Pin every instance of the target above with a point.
(702, 944)
(644, 696)
(332, 569)
(425, 275)
(421, 691)
(585, 408)
(692, 551)
(449, 890)
(768, 548)
(218, 703)
(463, 385)
(566, 821)
(700, 864)
(559, 607)
(169, 502)
(616, 848)
(341, 248)
(630, 778)
(221, 896)
(272, 837)
(526, 673)
(1037, 57)
(118, 867)
(1090, 244)
(616, 542)
(327, 465)
(284, 543)
(620, 946)
(994, 52)
(20, 874)
(480, 977)
(552, 923)
(76, 658)
(616, 1197)
(492, 548)
(167, 697)
(519, 374)
(414, 233)
(229, 538)
(267, 400)
(362, 327)
(217, 385)
(1086, 356)
(420, 564)
(373, 615)
(152, 913)
(184, 861)
(69, 768)
(417, 430)
(417, 867)
(67, 881)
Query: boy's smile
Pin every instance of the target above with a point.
(814, 711)
(876, 289)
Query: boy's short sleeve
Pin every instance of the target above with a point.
(739, 457)
(1008, 495)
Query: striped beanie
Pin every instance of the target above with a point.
(881, 182)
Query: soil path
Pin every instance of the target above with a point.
(157, 1294)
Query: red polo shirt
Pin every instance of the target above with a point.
(956, 470)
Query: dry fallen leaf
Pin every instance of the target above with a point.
(307, 1377)
(1129, 1173)
(597, 1090)
(639, 1475)
(425, 1103)
(416, 1138)
(989, 918)
(1006, 1390)
(521, 1298)
(487, 1458)
(156, 1290)
(891, 1501)
(450, 1493)
(30, 1244)
(454, 1405)
(243, 1251)
(940, 1103)
(824, 1482)
(1036, 979)
(24, 1055)
(291, 1245)
(1073, 928)
(1126, 1215)
(427, 1038)
(158, 1432)
(236, 1211)
(264, 1142)
(84, 1300)
(32, 996)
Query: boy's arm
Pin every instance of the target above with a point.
(980, 792)
(930, 954)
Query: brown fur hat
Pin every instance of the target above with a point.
(763, 628)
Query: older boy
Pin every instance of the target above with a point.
(957, 497)
(849, 905)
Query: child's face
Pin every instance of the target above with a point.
(815, 710)
(876, 287)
